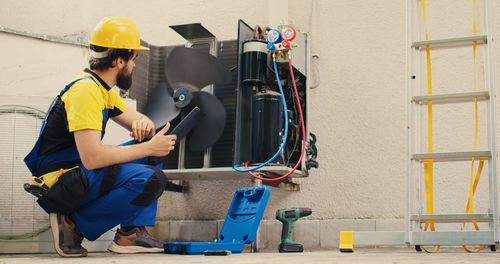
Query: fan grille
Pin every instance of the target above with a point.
(150, 72)
(20, 216)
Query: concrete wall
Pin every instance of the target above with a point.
(357, 112)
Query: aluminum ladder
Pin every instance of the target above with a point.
(415, 218)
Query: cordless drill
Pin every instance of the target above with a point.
(287, 216)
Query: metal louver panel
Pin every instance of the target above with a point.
(222, 151)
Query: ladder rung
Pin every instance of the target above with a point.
(452, 238)
(452, 218)
(481, 39)
(452, 98)
(453, 156)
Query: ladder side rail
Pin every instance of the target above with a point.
(409, 120)
(420, 114)
(489, 82)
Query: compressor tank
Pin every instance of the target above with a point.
(267, 125)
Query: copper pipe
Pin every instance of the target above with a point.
(257, 31)
(264, 32)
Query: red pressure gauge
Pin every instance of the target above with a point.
(288, 33)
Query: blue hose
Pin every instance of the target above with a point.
(283, 143)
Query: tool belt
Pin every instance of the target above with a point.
(60, 191)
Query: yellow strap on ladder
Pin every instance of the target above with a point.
(429, 163)
(469, 209)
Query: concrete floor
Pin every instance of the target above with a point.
(392, 256)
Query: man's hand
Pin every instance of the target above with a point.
(142, 128)
(161, 144)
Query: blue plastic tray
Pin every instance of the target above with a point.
(239, 228)
(197, 248)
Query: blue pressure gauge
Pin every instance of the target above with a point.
(273, 36)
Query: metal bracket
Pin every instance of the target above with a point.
(288, 185)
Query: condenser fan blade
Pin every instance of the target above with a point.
(193, 69)
(161, 106)
(210, 127)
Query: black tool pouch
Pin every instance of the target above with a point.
(67, 194)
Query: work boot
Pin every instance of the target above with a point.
(67, 238)
(135, 240)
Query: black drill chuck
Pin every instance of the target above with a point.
(305, 211)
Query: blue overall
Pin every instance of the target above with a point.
(131, 197)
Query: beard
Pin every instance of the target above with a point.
(124, 80)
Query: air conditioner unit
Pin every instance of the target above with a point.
(237, 142)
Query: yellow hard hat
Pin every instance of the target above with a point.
(117, 33)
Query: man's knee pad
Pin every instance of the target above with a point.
(154, 188)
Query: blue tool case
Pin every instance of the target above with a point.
(239, 228)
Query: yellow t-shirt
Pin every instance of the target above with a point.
(87, 104)
(86, 101)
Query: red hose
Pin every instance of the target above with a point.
(303, 134)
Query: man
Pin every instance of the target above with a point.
(121, 184)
